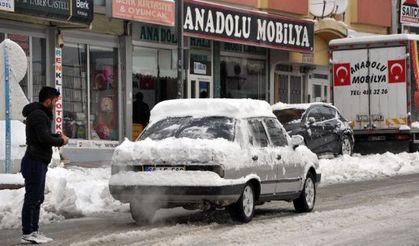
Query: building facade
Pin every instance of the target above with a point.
(111, 50)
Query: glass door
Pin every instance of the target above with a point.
(200, 87)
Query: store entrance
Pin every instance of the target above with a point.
(289, 88)
(200, 87)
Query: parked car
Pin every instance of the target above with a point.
(321, 125)
(213, 153)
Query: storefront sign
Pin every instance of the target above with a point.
(58, 123)
(7, 5)
(409, 12)
(80, 11)
(153, 33)
(216, 22)
(161, 12)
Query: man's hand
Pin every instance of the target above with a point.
(65, 138)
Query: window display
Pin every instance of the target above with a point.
(243, 78)
(75, 91)
(104, 93)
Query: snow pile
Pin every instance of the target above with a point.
(415, 124)
(179, 150)
(234, 108)
(176, 178)
(6, 178)
(359, 168)
(18, 139)
(70, 193)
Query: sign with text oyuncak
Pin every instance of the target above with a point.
(409, 12)
(217, 22)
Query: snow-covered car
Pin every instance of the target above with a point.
(213, 153)
(322, 126)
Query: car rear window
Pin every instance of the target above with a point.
(188, 127)
(288, 116)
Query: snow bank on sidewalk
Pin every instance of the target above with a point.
(69, 193)
(7, 179)
(359, 168)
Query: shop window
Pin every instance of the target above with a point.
(99, 2)
(317, 93)
(75, 91)
(39, 65)
(243, 78)
(154, 74)
(104, 93)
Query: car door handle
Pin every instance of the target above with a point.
(278, 157)
(255, 158)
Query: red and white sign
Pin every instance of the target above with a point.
(58, 122)
(342, 74)
(397, 71)
(409, 12)
(161, 12)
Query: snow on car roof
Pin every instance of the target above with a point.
(303, 106)
(374, 38)
(234, 108)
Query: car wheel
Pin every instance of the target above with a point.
(142, 213)
(346, 145)
(305, 203)
(244, 209)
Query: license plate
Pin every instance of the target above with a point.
(377, 138)
(163, 168)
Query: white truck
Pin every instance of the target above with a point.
(376, 88)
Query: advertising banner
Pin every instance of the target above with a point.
(161, 12)
(58, 122)
(222, 23)
(409, 13)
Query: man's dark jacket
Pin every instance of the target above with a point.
(39, 137)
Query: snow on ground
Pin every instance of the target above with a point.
(76, 192)
(7, 178)
(359, 168)
(69, 193)
(349, 226)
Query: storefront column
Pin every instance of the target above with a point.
(51, 41)
(216, 69)
(126, 85)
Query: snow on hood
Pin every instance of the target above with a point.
(415, 124)
(233, 108)
(178, 150)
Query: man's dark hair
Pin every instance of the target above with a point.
(48, 93)
(139, 96)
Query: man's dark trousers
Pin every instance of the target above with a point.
(34, 173)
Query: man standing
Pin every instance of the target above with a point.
(34, 166)
(140, 112)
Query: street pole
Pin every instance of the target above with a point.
(8, 140)
(179, 32)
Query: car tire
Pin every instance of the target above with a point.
(244, 209)
(305, 202)
(346, 146)
(142, 213)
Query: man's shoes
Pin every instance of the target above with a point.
(35, 238)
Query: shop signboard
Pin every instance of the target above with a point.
(7, 5)
(160, 12)
(153, 33)
(222, 23)
(409, 13)
(58, 123)
(78, 11)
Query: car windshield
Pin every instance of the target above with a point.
(188, 127)
(289, 116)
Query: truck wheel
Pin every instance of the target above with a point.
(305, 203)
(244, 209)
(142, 213)
(346, 146)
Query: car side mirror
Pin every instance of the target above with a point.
(311, 120)
(297, 140)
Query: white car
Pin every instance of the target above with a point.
(206, 153)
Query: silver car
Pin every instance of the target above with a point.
(213, 153)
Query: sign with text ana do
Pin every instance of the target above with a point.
(161, 12)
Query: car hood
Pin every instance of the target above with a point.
(178, 151)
